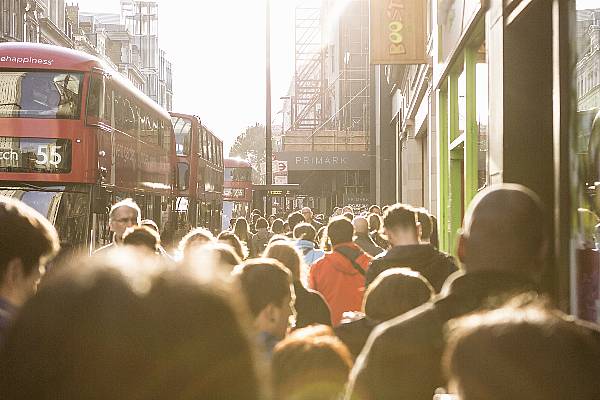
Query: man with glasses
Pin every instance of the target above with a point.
(124, 214)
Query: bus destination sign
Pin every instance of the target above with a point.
(35, 155)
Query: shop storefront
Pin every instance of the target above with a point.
(461, 80)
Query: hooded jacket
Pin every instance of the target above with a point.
(309, 252)
(340, 283)
(434, 265)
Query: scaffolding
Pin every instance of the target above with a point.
(332, 79)
(307, 104)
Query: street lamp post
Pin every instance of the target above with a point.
(268, 141)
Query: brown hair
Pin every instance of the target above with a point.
(263, 281)
(142, 236)
(340, 230)
(25, 235)
(400, 216)
(194, 237)
(310, 365)
(286, 253)
(523, 353)
(424, 219)
(232, 239)
(394, 292)
(103, 332)
(305, 231)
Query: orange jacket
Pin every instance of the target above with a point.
(339, 282)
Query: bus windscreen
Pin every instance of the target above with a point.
(40, 94)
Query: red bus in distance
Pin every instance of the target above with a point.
(237, 190)
(199, 174)
(76, 136)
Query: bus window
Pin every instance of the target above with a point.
(94, 99)
(183, 175)
(183, 129)
(37, 94)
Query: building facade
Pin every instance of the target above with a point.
(509, 92)
(327, 138)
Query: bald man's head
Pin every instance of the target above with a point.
(361, 225)
(504, 230)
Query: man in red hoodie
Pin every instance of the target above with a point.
(340, 275)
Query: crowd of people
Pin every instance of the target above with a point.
(359, 307)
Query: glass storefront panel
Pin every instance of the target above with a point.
(585, 161)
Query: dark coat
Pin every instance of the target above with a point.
(354, 334)
(310, 307)
(364, 241)
(402, 358)
(434, 265)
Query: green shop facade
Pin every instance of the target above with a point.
(513, 105)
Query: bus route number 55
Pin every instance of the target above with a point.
(48, 155)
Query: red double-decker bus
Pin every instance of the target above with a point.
(199, 177)
(237, 190)
(76, 136)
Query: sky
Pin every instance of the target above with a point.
(217, 49)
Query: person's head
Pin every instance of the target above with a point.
(347, 210)
(340, 230)
(400, 225)
(307, 214)
(277, 227)
(305, 231)
(278, 238)
(375, 209)
(261, 223)
(272, 218)
(294, 219)
(425, 223)
(232, 223)
(374, 222)
(150, 224)
(256, 211)
(267, 287)
(285, 253)
(241, 229)
(348, 216)
(503, 230)
(522, 353)
(361, 225)
(27, 242)
(124, 214)
(123, 326)
(337, 211)
(394, 292)
(213, 260)
(142, 237)
(308, 366)
(234, 241)
(193, 239)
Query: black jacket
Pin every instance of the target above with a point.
(354, 334)
(401, 360)
(434, 265)
(364, 241)
(310, 307)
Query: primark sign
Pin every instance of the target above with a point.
(325, 160)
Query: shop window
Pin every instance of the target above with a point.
(585, 159)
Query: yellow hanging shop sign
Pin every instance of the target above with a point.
(398, 31)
